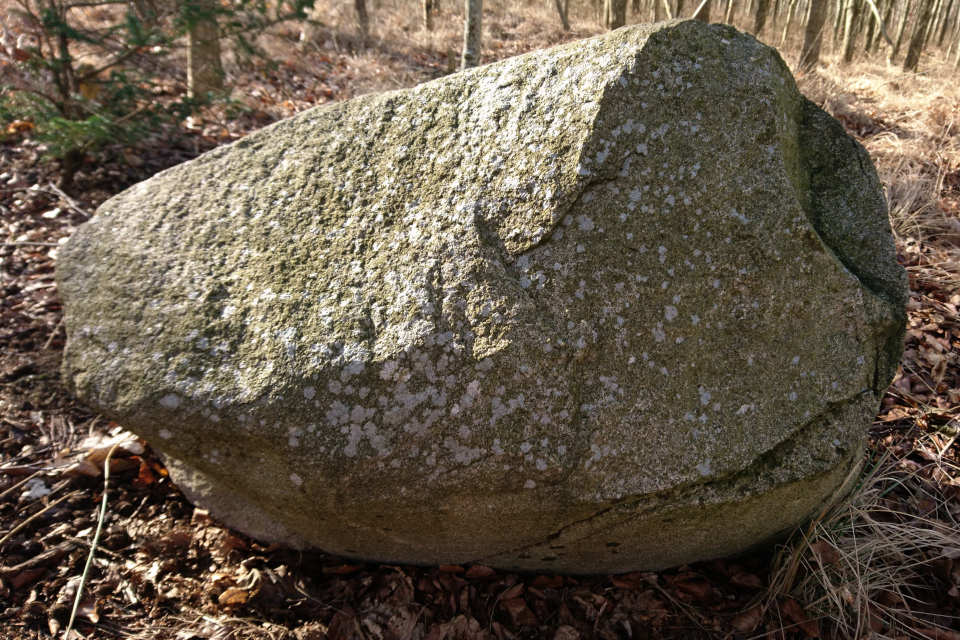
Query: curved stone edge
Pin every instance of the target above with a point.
(227, 506)
(721, 518)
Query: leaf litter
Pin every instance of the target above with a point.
(164, 569)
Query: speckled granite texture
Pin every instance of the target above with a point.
(627, 303)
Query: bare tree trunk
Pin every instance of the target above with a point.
(614, 13)
(945, 24)
(912, 60)
(362, 18)
(838, 22)
(870, 31)
(874, 31)
(428, 14)
(850, 32)
(657, 10)
(954, 34)
(679, 12)
(813, 34)
(956, 61)
(900, 31)
(786, 25)
(472, 33)
(763, 7)
(563, 14)
(204, 69)
(887, 16)
(934, 21)
(702, 12)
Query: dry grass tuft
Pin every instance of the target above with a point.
(863, 567)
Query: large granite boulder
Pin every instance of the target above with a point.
(626, 303)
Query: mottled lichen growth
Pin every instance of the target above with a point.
(626, 303)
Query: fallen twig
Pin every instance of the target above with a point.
(70, 201)
(17, 529)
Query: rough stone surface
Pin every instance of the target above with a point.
(626, 303)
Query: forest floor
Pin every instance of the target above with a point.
(884, 563)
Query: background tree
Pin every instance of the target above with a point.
(363, 19)
(204, 68)
(85, 84)
(472, 34)
(562, 10)
(427, 7)
(901, 29)
(917, 40)
(614, 13)
(702, 12)
(760, 19)
(851, 29)
(813, 34)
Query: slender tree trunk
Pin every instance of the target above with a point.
(945, 24)
(679, 12)
(813, 34)
(728, 14)
(204, 69)
(838, 21)
(912, 60)
(934, 21)
(563, 15)
(614, 13)
(472, 32)
(786, 25)
(703, 11)
(874, 33)
(850, 32)
(956, 61)
(887, 16)
(363, 19)
(900, 32)
(763, 7)
(657, 10)
(954, 34)
(428, 14)
(951, 43)
(870, 30)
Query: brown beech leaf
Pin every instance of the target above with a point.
(519, 612)
(799, 617)
(747, 621)
(548, 582)
(696, 588)
(746, 580)
(342, 569)
(145, 477)
(825, 553)
(479, 571)
(233, 596)
(566, 632)
(451, 568)
(629, 581)
(513, 592)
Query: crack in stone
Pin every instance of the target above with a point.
(677, 494)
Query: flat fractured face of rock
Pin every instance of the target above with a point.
(626, 303)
